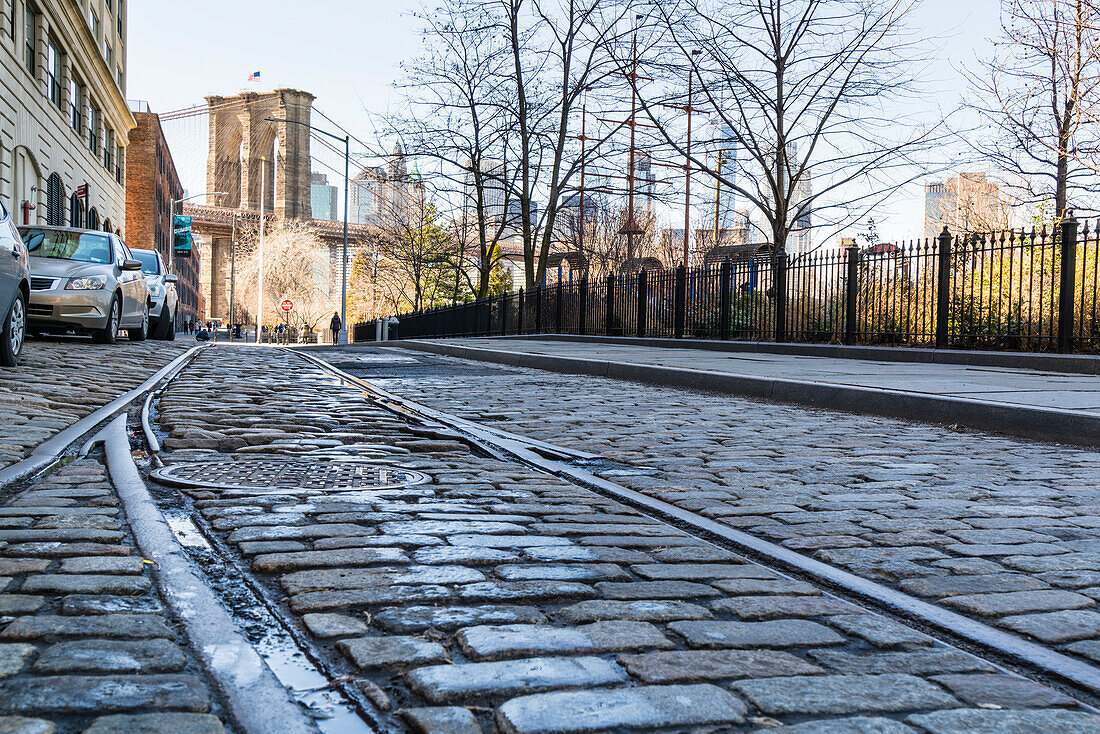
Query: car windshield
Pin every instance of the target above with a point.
(84, 247)
(149, 263)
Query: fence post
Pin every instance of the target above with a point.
(680, 303)
(538, 307)
(1068, 285)
(943, 290)
(559, 306)
(725, 283)
(643, 293)
(505, 299)
(582, 307)
(519, 313)
(781, 297)
(609, 319)
(850, 294)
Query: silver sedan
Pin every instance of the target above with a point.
(87, 281)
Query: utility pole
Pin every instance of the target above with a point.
(689, 109)
(632, 226)
(687, 162)
(233, 276)
(260, 275)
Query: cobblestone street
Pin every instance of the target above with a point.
(496, 598)
(60, 381)
(433, 587)
(1001, 529)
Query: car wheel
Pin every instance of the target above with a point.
(141, 333)
(170, 329)
(14, 331)
(109, 333)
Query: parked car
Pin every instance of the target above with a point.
(14, 291)
(86, 281)
(163, 297)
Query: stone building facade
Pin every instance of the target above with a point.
(64, 123)
(152, 184)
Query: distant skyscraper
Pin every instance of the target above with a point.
(366, 196)
(386, 194)
(645, 183)
(323, 198)
(492, 190)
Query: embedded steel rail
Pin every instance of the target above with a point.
(549, 459)
(49, 451)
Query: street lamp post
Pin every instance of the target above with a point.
(342, 338)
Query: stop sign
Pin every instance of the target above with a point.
(287, 305)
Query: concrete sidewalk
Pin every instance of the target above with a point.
(1036, 404)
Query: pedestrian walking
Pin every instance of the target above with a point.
(334, 326)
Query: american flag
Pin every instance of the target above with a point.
(254, 76)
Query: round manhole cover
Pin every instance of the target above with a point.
(282, 473)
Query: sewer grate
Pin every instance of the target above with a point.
(281, 473)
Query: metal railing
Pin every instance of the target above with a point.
(1032, 290)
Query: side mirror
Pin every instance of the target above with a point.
(131, 264)
(171, 278)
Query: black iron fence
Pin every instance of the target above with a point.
(1031, 290)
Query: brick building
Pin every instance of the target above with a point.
(152, 184)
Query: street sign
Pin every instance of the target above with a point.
(287, 305)
(181, 236)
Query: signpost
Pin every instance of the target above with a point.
(181, 236)
(287, 306)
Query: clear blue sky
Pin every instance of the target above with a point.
(347, 54)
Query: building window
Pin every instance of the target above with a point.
(55, 201)
(119, 167)
(76, 104)
(93, 23)
(76, 212)
(108, 148)
(121, 14)
(108, 55)
(107, 225)
(94, 116)
(53, 73)
(30, 24)
(108, 3)
(121, 80)
(93, 219)
(11, 16)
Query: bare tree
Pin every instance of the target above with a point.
(416, 255)
(558, 49)
(456, 117)
(1040, 93)
(296, 265)
(794, 86)
(602, 244)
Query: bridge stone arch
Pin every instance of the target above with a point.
(240, 136)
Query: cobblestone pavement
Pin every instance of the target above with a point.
(493, 598)
(1002, 529)
(59, 381)
(85, 644)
